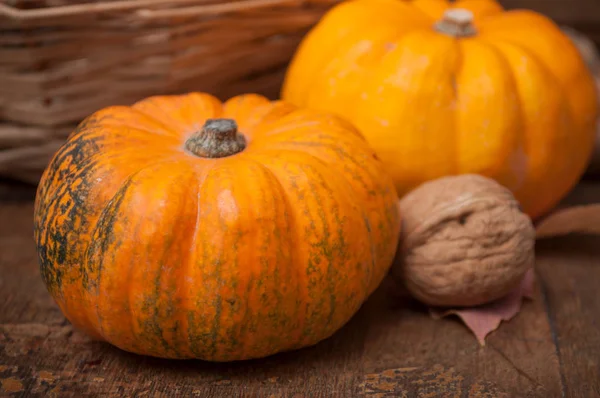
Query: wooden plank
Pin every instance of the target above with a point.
(14, 191)
(406, 352)
(391, 348)
(570, 275)
(569, 271)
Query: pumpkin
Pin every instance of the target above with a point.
(441, 88)
(183, 227)
(590, 53)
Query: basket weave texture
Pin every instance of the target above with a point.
(61, 60)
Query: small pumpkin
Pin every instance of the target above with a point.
(590, 53)
(442, 88)
(181, 227)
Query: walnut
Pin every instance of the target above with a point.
(465, 242)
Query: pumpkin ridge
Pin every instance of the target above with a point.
(122, 116)
(204, 104)
(550, 28)
(131, 316)
(184, 113)
(215, 337)
(334, 185)
(454, 119)
(530, 54)
(292, 195)
(238, 108)
(329, 246)
(572, 88)
(76, 164)
(245, 318)
(284, 128)
(352, 53)
(554, 167)
(88, 285)
(201, 175)
(292, 226)
(266, 169)
(217, 301)
(154, 323)
(363, 14)
(422, 87)
(243, 225)
(316, 158)
(125, 117)
(289, 146)
(86, 133)
(494, 151)
(145, 133)
(254, 125)
(76, 150)
(296, 131)
(119, 192)
(222, 329)
(152, 327)
(156, 120)
(324, 248)
(152, 294)
(105, 221)
(363, 172)
(267, 243)
(70, 148)
(336, 141)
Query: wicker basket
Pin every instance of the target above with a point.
(61, 60)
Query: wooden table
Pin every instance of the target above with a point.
(391, 348)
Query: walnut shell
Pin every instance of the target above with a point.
(465, 241)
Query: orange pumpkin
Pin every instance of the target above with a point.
(165, 231)
(442, 88)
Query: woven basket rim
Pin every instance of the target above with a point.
(140, 8)
(63, 60)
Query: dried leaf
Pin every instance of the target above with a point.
(484, 319)
(578, 219)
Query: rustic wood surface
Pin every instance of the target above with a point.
(391, 348)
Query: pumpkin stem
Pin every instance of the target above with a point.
(456, 22)
(218, 138)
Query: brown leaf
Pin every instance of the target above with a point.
(583, 219)
(484, 319)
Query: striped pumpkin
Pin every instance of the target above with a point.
(165, 231)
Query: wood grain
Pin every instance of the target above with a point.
(16, 191)
(570, 276)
